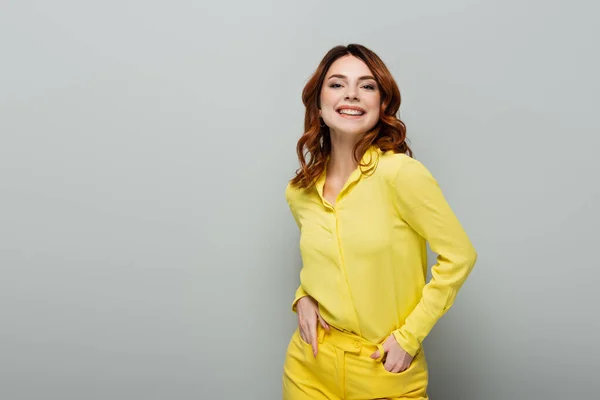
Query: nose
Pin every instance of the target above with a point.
(351, 93)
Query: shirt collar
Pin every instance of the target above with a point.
(370, 159)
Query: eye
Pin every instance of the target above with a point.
(335, 85)
(369, 87)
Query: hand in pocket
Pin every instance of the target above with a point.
(308, 318)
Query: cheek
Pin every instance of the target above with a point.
(375, 106)
(328, 99)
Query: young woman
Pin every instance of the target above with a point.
(366, 209)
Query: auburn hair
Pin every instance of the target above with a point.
(314, 146)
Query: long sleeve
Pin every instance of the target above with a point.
(300, 292)
(420, 202)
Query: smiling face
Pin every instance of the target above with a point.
(350, 98)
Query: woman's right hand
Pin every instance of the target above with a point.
(308, 318)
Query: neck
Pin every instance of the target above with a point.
(341, 160)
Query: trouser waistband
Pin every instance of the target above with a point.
(348, 342)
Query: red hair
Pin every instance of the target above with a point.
(389, 133)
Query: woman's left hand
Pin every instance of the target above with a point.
(396, 359)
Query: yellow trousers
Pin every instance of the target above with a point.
(343, 369)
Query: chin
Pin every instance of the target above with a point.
(352, 130)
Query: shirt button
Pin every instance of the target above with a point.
(357, 344)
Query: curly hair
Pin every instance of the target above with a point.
(314, 146)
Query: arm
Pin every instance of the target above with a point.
(300, 291)
(422, 205)
(308, 309)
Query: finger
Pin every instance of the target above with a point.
(391, 362)
(404, 367)
(324, 324)
(388, 365)
(303, 336)
(313, 338)
(386, 352)
(399, 367)
(305, 332)
(394, 368)
(387, 345)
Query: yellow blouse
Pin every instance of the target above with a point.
(365, 259)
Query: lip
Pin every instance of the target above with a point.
(351, 108)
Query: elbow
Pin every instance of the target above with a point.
(470, 259)
(465, 264)
(467, 259)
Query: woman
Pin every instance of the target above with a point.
(366, 210)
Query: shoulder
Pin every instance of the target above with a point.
(398, 168)
(293, 193)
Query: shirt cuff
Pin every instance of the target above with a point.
(300, 293)
(408, 342)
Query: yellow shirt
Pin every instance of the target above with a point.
(365, 259)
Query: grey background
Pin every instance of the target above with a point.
(146, 249)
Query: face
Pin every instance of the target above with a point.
(350, 98)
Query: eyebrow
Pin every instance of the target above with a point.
(362, 78)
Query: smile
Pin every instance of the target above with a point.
(353, 111)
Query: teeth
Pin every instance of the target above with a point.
(351, 112)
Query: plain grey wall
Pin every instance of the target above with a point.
(146, 250)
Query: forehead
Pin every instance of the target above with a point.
(349, 66)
